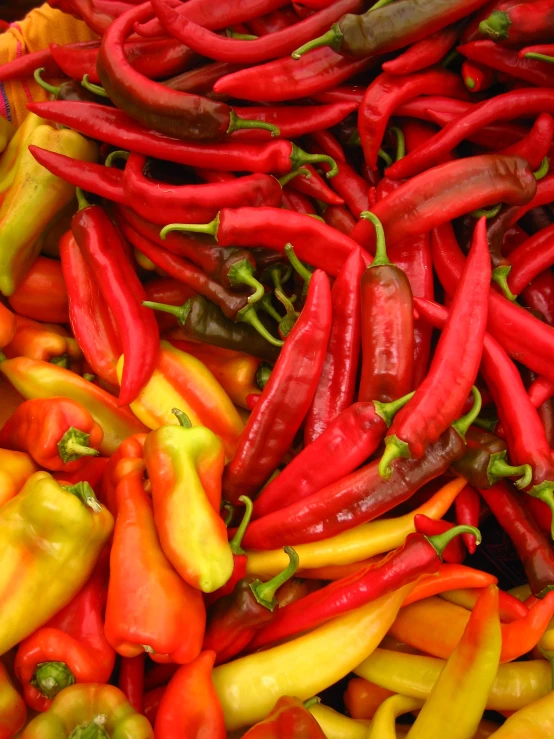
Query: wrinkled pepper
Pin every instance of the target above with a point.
(52, 538)
(89, 710)
(182, 381)
(13, 710)
(288, 718)
(190, 706)
(185, 467)
(35, 191)
(43, 341)
(15, 469)
(70, 648)
(57, 432)
(36, 379)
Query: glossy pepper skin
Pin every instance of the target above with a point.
(57, 432)
(197, 715)
(79, 709)
(65, 530)
(287, 718)
(13, 710)
(42, 294)
(536, 717)
(149, 607)
(34, 190)
(184, 466)
(15, 469)
(128, 458)
(43, 341)
(70, 648)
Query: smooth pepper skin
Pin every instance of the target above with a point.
(190, 706)
(288, 718)
(42, 294)
(102, 709)
(15, 469)
(52, 540)
(13, 710)
(184, 467)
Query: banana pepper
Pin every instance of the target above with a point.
(535, 720)
(336, 726)
(35, 197)
(383, 725)
(89, 711)
(185, 467)
(15, 469)
(36, 379)
(13, 150)
(52, 537)
(182, 381)
(43, 341)
(13, 710)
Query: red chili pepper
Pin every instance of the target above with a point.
(120, 287)
(424, 53)
(70, 648)
(477, 77)
(507, 61)
(115, 127)
(273, 21)
(454, 553)
(42, 294)
(167, 290)
(539, 295)
(91, 319)
(95, 18)
(344, 93)
(286, 397)
(387, 327)
(468, 509)
(315, 187)
(339, 218)
(25, 65)
(297, 202)
(440, 398)
(131, 680)
(387, 92)
(541, 390)
(201, 79)
(520, 24)
(536, 144)
(510, 105)
(75, 62)
(288, 79)
(530, 259)
(152, 700)
(273, 228)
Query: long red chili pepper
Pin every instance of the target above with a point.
(454, 552)
(298, 202)
(520, 23)
(477, 77)
(25, 65)
(529, 259)
(441, 396)
(507, 61)
(313, 185)
(95, 18)
(273, 21)
(419, 555)
(286, 398)
(344, 93)
(424, 53)
(387, 327)
(200, 80)
(387, 92)
(273, 228)
(336, 387)
(105, 254)
(468, 508)
(536, 144)
(293, 121)
(339, 218)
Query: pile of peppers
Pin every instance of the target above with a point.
(276, 341)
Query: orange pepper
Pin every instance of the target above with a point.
(13, 710)
(15, 469)
(42, 293)
(449, 577)
(337, 572)
(43, 341)
(362, 698)
(128, 457)
(7, 325)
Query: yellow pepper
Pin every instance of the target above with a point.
(15, 469)
(384, 721)
(11, 153)
(356, 544)
(336, 726)
(249, 687)
(182, 381)
(35, 197)
(516, 684)
(7, 132)
(535, 721)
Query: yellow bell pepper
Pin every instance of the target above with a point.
(182, 381)
(52, 537)
(354, 545)
(11, 153)
(384, 721)
(15, 469)
(336, 726)
(7, 132)
(249, 687)
(535, 721)
(33, 200)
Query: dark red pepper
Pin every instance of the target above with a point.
(468, 508)
(131, 680)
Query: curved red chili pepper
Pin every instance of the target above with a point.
(339, 218)
(273, 21)
(468, 508)
(536, 144)
(286, 398)
(477, 77)
(519, 23)
(344, 93)
(293, 121)
(298, 202)
(315, 187)
(200, 80)
(507, 61)
(96, 19)
(454, 552)
(25, 65)
(424, 53)
(530, 259)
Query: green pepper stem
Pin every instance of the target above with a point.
(82, 202)
(96, 89)
(236, 541)
(542, 171)
(236, 123)
(265, 304)
(60, 361)
(242, 273)
(264, 592)
(385, 157)
(380, 257)
(285, 179)
(74, 445)
(487, 212)
(312, 702)
(263, 373)
(496, 26)
(249, 315)
(539, 57)
(37, 74)
(52, 677)
(180, 312)
(117, 154)
(469, 82)
(394, 448)
(500, 276)
(400, 142)
(439, 542)
(199, 228)
(3, 357)
(463, 423)
(297, 265)
(489, 424)
(499, 468)
(449, 58)
(299, 157)
(387, 411)
(286, 324)
(182, 417)
(545, 492)
(89, 377)
(333, 39)
(354, 139)
(94, 730)
(230, 508)
(381, 4)
(240, 36)
(85, 493)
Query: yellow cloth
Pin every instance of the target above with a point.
(41, 27)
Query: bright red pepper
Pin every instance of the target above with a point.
(508, 62)
(477, 77)
(289, 717)
(468, 509)
(454, 552)
(520, 23)
(424, 53)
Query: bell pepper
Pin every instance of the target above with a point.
(303, 666)
(57, 432)
(42, 293)
(182, 381)
(15, 470)
(52, 537)
(43, 341)
(7, 132)
(89, 710)
(459, 697)
(185, 467)
(70, 648)
(128, 457)
(383, 724)
(7, 325)
(11, 153)
(235, 371)
(13, 710)
(149, 607)
(190, 706)
(288, 718)
(36, 379)
(33, 200)
(362, 698)
(535, 720)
